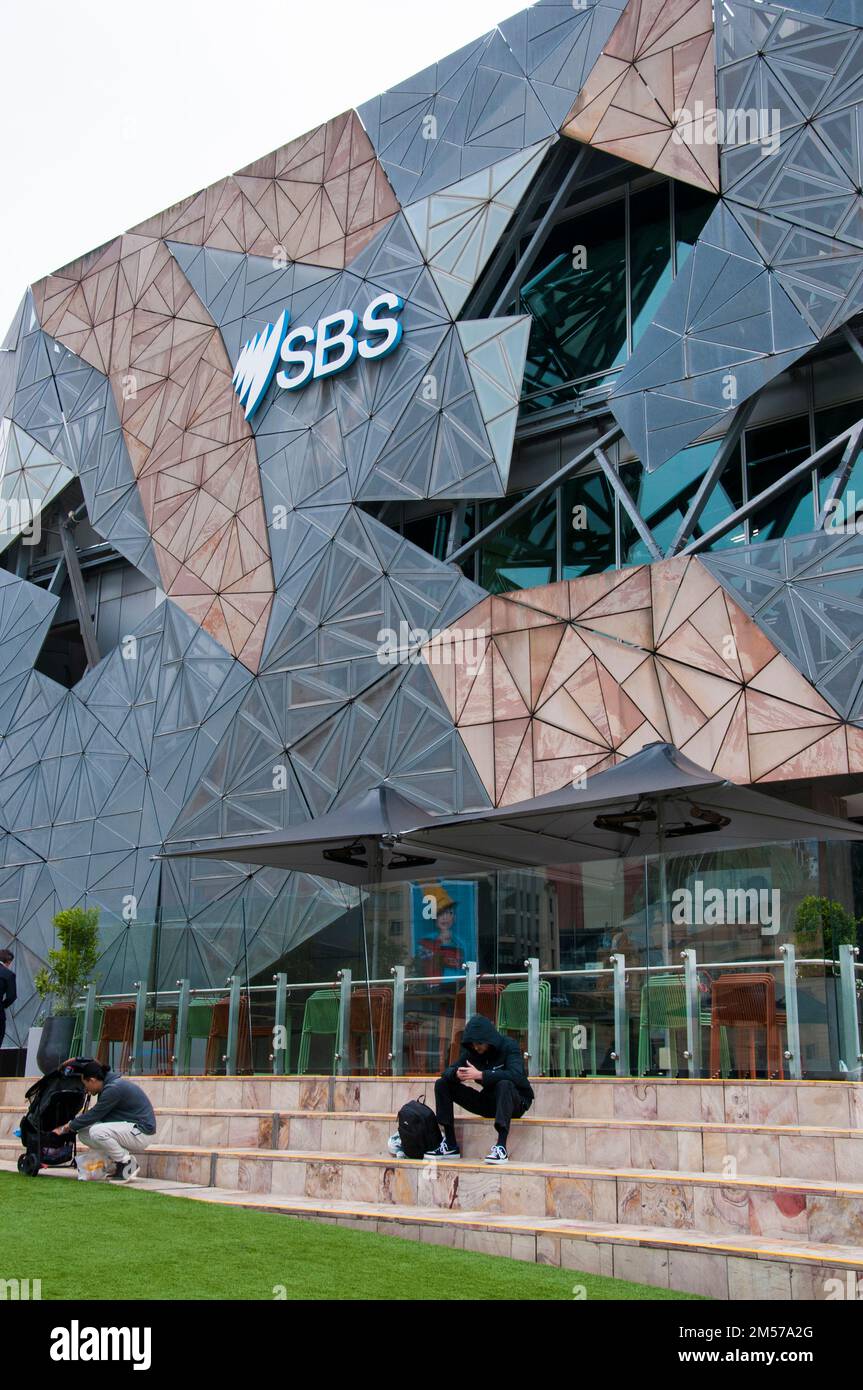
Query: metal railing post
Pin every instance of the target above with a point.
(533, 1058)
(182, 1032)
(849, 1033)
(693, 1012)
(281, 1035)
(621, 1020)
(789, 967)
(230, 1055)
(136, 1060)
(469, 989)
(88, 1020)
(343, 1039)
(397, 1054)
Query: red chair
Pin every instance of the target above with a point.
(745, 1005)
(363, 1026)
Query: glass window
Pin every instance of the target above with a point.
(829, 423)
(578, 302)
(588, 526)
(650, 254)
(692, 207)
(771, 451)
(663, 498)
(524, 553)
(430, 533)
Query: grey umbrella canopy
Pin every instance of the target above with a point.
(655, 802)
(356, 843)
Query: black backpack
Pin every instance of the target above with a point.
(418, 1129)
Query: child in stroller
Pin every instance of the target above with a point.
(54, 1100)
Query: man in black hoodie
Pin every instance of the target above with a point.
(496, 1063)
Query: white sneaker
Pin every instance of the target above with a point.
(394, 1144)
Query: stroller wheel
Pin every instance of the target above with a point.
(29, 1165)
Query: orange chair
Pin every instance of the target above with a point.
(245, 1036)
(487, 996)
(379, 1025)
(118, 1025)
(746, 1004)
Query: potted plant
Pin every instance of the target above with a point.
(822, 926)
(68, 972)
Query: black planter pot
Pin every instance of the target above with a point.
(55, 1043)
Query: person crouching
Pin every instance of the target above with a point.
(119, 1125)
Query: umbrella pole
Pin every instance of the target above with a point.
(376, 860)
(663, 881)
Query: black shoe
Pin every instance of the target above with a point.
(443, 1150)
(497, 1154)
(125, 1172)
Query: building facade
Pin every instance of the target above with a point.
(470, 442)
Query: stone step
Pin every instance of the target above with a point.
(816, 1212)
(833, 1104)
(754, 1267)
(789, 1151)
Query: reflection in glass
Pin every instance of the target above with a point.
(578, 301)
(524, 553)
(771, 451)
(588, 526)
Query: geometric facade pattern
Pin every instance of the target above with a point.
(492, 99)
(790, 225)
(319, 199)
(435, 419)
(29, 477)
(658, 62)
(265, 657)
(458, 228)
(807, 594)
(130, 313)
(572, 678)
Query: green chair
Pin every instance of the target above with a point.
(321, 1019)
(569, 1056)
(512, 1017)
(663, 1008)
(198, 1024)
(77, 1043)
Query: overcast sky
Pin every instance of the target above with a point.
(113, 111)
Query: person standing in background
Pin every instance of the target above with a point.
(8, 989)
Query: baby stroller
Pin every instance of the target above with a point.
(54, 1099)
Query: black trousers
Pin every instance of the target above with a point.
(502, 1102)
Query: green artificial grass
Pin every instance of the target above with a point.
(88, 1241)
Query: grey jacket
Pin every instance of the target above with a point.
(119, 1100)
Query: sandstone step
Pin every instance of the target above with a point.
(834, 1104)
(813, 1211)
(788, 1151)
(740, 1268)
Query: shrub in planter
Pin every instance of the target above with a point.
(68, 972)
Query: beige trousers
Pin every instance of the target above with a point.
(116, 1140)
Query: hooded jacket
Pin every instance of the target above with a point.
(502, 1061)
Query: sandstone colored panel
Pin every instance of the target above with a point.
(647, 653)
(128, 310)
(320, 199)
(640, 100)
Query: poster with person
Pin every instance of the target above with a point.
(444, 927)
